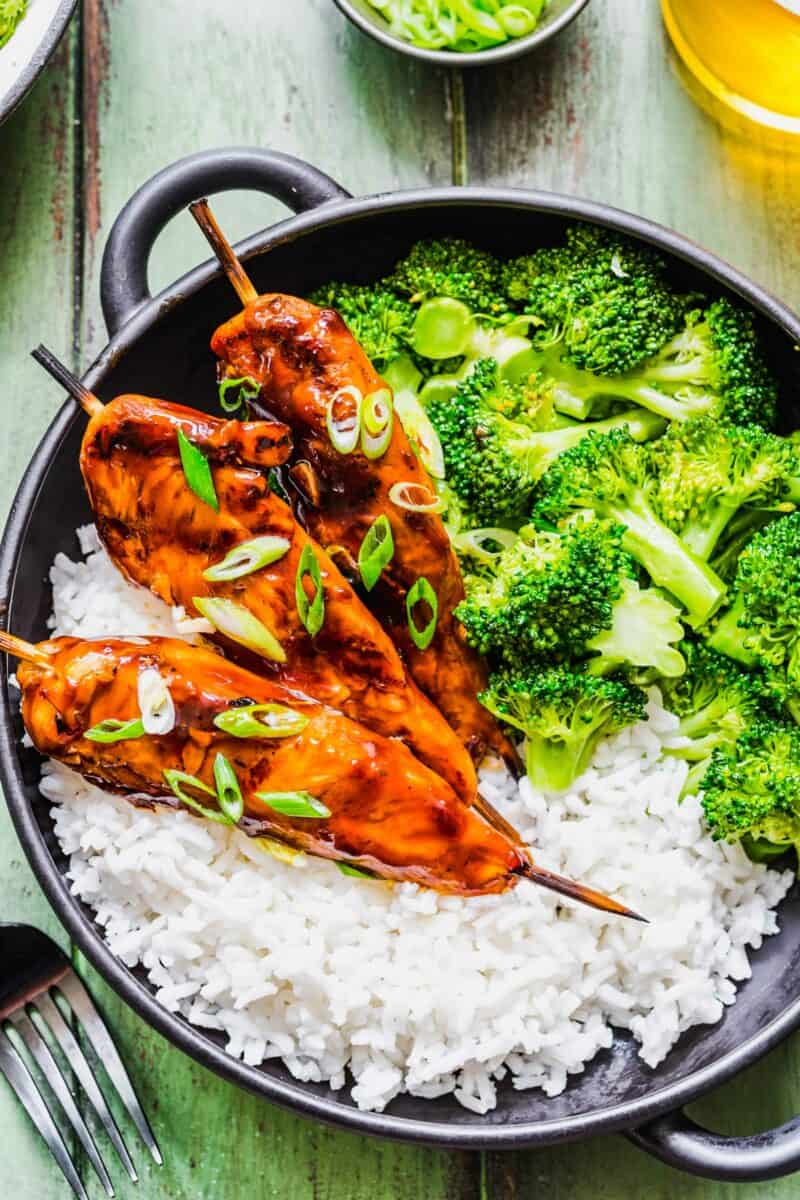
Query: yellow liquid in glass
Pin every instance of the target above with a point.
(744, 55)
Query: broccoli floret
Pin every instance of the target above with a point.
(762, 625)
(451, 267)
(716, 365)
(715, 701)
(612, 475)
(380, 321)
(751, 790)
(492, 462)
(729, 379)
(563, 716)
(603, 297)
(709, 470)
(557, 597)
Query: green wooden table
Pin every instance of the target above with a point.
(136, 85)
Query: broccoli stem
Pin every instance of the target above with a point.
(702, 536)
(667, 560)
(727, 637)
(542, 448)
(552, 764)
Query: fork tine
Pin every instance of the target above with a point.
(94, 1026)
(77, 1061)
(52, 1072)
(23, 1083)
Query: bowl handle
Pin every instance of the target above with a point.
(678, 1140)
(123, 278)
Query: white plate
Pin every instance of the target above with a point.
(29, 48)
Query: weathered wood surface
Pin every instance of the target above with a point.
(135, 86)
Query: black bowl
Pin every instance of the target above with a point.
(160, 346)
(557, 15)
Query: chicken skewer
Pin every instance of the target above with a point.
(161, 535)
(304, 358)
(292, 769)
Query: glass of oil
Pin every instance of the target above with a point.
(740, 60)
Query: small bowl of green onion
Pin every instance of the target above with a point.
(462, 33)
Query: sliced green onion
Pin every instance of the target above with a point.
(238, 623)
(516, 20)
(155, 702)
(179, 781)
(261, 721)
(295, 804)
(443, 328)
(197, 471)
(111, 730)
(377, 423)
(229, 794)
(246, 387)
(344, 431)
(422, 592)
(248, 557)
(420, 433)
(311, 612)
(415, 497)
(474, 542)
(346, 869)
(376, 551)
(439, 389)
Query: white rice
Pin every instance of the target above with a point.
(410, 990)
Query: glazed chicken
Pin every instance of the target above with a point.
(295, 770)
(302, 356)
(162, 535)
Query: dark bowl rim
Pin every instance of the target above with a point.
(87, 934)
(38, 60)
(473, 58)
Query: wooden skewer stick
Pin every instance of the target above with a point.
(24, 650)
(224, 251)
(586, 895)
(68, 380)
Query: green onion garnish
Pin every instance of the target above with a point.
(229, 794)
(295, 804)
(344, 429)
(346, 869)
(247, 557)
(197, 471)
(238, 623)
(422, 592)
(415, 497)
(443, 328)
(376, 551)
(311, 612)
(261, 721)
(377, 423)
(246, 389)
(110, 730)
(179, 780)
(484, 544)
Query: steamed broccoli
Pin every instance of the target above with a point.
(715, 701)
(751, 790)
(612, 475)
(563, 716)
(492, 462)
(604, 297)
(555, 597)
(714, 366)
(454, 268)
(762, 625)
(708, 471)
(380, 321)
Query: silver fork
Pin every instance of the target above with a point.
(34, 972)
